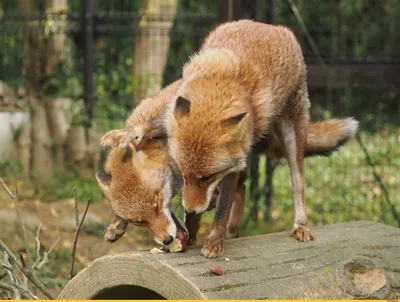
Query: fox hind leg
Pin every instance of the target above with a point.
(293, 133)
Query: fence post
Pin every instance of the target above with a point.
(229, 10)
(88, 33)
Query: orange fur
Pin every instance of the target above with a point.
(208, 140)
(248, 82)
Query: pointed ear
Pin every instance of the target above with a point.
(234, 120)
(103, 179)
(130, 150)
(232, 123)
(182, 107)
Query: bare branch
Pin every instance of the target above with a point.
(46, 254)
(78, 228)
(307, 33)
(26, 272)
(37, 239)
(26, 293)
(13, 194)
(378, 179)
(76, 208)
(6, 188)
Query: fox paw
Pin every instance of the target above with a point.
(213, 247)
(114, 231)
(302, 233)
(112, 138)
(133, 135)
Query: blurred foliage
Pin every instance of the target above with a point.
(339, 188)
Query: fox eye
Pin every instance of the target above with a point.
(206, 178)
(140, 221)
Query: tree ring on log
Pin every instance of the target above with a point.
(361, 277)
(132, 276)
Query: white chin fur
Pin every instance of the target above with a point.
(158, 241)
(210, 192)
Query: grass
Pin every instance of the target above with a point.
(339, 188)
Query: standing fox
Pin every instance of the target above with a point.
(248, 82)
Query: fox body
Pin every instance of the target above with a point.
(137, 183)
(139, 180)
(248, 82)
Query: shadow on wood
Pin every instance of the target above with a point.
(353, 260)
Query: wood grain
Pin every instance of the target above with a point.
(353, 260)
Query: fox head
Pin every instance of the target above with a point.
(139, 186)
(210, 129)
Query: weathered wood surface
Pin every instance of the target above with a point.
(359, 259)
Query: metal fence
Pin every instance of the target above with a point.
(354, 67)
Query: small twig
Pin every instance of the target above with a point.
(14, 279)
(378, 179)
(76, 208)
(307, 33)
(71, 274)
(26, 272)
(13, 194)
(26, 293)
(6, 188)
(37, 239)
(46, 254)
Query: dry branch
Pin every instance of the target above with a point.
(77, 230)
(26, 271)
(378, 179)
(14, 196)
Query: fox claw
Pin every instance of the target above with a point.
(302, 233)
(135, 135)
(114, 231)
(213, 248)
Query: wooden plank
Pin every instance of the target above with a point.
(351, 260)
(346, 75)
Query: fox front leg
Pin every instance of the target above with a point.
(192, 223)
(214, 245)
(115, 230)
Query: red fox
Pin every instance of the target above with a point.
(247, 82)
(133, 181)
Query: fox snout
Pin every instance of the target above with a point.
(163, 230)
(196, 199)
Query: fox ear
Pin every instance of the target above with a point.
(103, 179)
(234, 120)
(182, 107)
(232, 123)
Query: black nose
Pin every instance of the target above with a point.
(190, 213)
(168, 240)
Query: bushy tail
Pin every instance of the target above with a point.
(327, 136)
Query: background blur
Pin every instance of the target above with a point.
(71, 70)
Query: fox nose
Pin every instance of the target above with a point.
(190, 213)
(168, 240)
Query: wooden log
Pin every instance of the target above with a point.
(353, 260)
